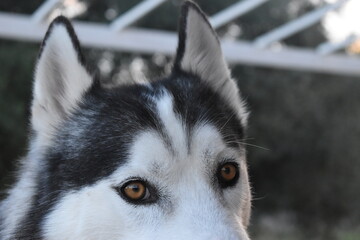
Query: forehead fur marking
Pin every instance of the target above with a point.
(173, 126)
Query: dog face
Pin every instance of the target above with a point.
(162, 160)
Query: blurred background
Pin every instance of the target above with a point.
(304, 131)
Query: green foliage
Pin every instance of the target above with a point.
(309, 124)
(17, 62)
(20, 6)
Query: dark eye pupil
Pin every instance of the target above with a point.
(226, 170)
(135, 188)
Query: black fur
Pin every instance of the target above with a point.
(94, 141)
(108, 120)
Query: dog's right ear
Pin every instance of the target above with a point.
(60, 78)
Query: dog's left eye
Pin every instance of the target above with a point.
(137, 192)
(228, 174)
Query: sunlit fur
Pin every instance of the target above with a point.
(173, 133)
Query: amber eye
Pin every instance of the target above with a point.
(228, 174)
(134, 190)
(137, 192)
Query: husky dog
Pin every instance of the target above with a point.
(162, 160)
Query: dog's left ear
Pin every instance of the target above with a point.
(199, 52)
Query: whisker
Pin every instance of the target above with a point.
(227, 121)
(258, 198)
(253, 145)
(248, 144)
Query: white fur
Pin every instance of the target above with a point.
(190, 205)
(203, 57)
(91, 213)
(174, 128)
(60, 82)
(15, 207)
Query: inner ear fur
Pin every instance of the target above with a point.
(61, 78)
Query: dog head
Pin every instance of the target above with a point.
(162, 160)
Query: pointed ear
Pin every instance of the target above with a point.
(60, 78)
(199, 52)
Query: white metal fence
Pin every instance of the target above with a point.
(118, 35)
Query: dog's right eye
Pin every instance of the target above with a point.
(137, 192)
